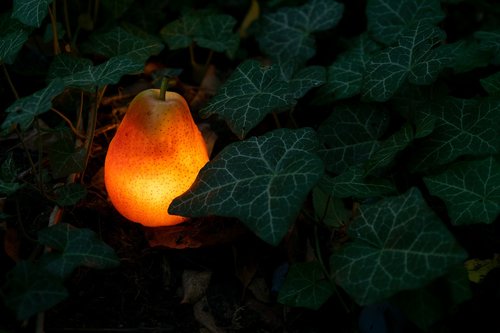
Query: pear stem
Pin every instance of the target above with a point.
(163, 88)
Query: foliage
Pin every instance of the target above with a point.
(375, 124)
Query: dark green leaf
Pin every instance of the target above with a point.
(31, 12)
(216, 33)
(70, 194)
(263, 181)
(23, 111)
(115, 8)
(75, 247)
(462, 127)
(388, 18)
(8, 177)
(388, 149)
(287, 33)
(109, 72)
(470, 190)
(468, 55)
(305, 79)
(415, 59)
(350, 134)
(120, 42)
(492, 84)
(12, 38)
(490, 40)
(398, 243)
(345, 75)
(180, 33)
(29, 290)
(65, 65)
(353, 184)
(248, 96)
(305, 286)
(64, 157)
(329, 210)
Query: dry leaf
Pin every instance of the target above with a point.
(194, 285)
(204, 316)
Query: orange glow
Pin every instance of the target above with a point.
(153, 158)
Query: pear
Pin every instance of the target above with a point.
(154, 157)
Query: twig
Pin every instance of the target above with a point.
(7, 76)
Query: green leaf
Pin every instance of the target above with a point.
(24, 110)
(490, 40)
(492, 84)
(208, 30)
(345, 75)
(12, 37)
(286, 34)
(249, 94)
(75, 247)
(120, 42)
(29, 290)
(415, 59)
(468, 55)
(64, 157)
(115, 8)
(180, 33)
(305, 79)
(216, 33)
(109, 72)
(470, 190)
(8, 177)
(388, 18)
(328, 209)
(263, 181)
(31, 12)
(64, 65)
(349, 135)
(398, 243)
(389, 148)
(462, 127)
(353, 183)
(305, 286)
(70, 194)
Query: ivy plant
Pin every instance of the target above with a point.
(351, 121)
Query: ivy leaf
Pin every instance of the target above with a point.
(286, 33)
(345, 75)
(328, 209)
(492, 84)
(208, 30)
(12, 37)
(353, 183)
(216, 33)
(8, 177)
(109, 72)
(64, 157)
(116, 8)
(470, 190)
(305, 286)
(305, 79)
(414, 59)
(490, 40)
(75, 247)
(31, 12)
(180, 33)
(388, 149)
(349, 135)
(24, 110)
(119, 41)
(388, 18)
(263, 181)
(398, 243)
(65, 65)
(29, 290)
(463, 127)
(249, 94)
(70, 194)
(468, 55)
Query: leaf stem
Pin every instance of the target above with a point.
(66, 18)
(53, 22)
(7, 76)
(69, 123)
(30, 160)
